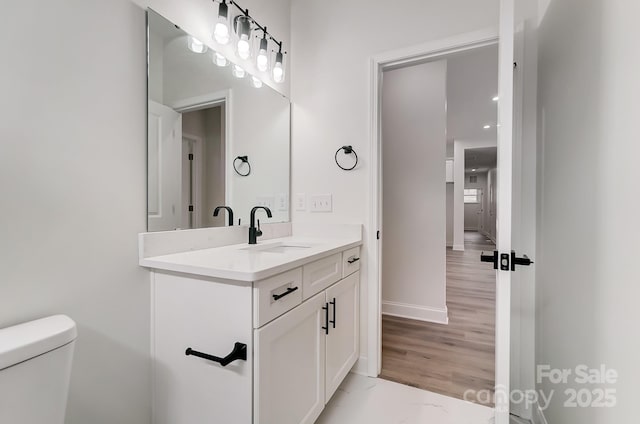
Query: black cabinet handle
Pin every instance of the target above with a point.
(352, 260)
(239, 352)
(326, 318)
(333, 302)
(289, 291)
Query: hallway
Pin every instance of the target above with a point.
(449, 359)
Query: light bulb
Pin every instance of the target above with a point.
(278, 72)
(238, 72)
(262, 60)
(257, 82)
(220, 60)
(244, 47)
(221, 29)
(221, 33)
(196, 45)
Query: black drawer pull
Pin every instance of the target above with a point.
(326, 318)
(333, 322)
(352, 260)
(289, 291)
(239, 352)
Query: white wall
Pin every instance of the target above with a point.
(587, 285)
(331, 49)
(414, 207)
(73, 191)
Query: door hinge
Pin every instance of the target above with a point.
(505, 261)
(190, 156)
(190, 208)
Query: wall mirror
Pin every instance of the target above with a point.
(214, 138)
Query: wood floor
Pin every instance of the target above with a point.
(449, 359)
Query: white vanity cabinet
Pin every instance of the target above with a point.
(302, 357)
(300, 328)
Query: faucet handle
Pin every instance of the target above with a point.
(258, 231)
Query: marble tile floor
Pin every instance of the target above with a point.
(364, 400)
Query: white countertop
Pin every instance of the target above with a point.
(244, 262)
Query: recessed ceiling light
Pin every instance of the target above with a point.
(474, 170)
(495, 99)
(486, 127)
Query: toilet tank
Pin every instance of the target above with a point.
(35, 367)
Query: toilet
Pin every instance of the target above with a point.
(35, 368)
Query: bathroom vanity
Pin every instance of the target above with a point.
(283, 313)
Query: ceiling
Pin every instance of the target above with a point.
(482, 159)
(472, 82)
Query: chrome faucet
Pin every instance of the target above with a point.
(229, 210)
(254, 232)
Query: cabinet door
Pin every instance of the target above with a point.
(208, 317)
(289, 366)
(343, 340)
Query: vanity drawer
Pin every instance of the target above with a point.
(274, 296)
(350, 261)
(319, 275)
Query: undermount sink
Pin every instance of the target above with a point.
(279, 247)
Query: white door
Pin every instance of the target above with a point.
(164, 168)
(508, 210)
(343, 340)
(289, 365)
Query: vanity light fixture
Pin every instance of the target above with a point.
(238, 72)
(220, 60)
(257, 82)
(196, 45)
(243, 26)
(221, 29)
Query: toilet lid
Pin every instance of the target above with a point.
(22, 342)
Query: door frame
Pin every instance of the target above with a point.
(206, 101)
(379, 63)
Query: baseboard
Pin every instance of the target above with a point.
(458, 247)
(487, 235)
(417, 312)
(361, 366)
(538, 415)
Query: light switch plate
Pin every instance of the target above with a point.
(300, 201)
(282, 202)
(268, 201)
(321, 203)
